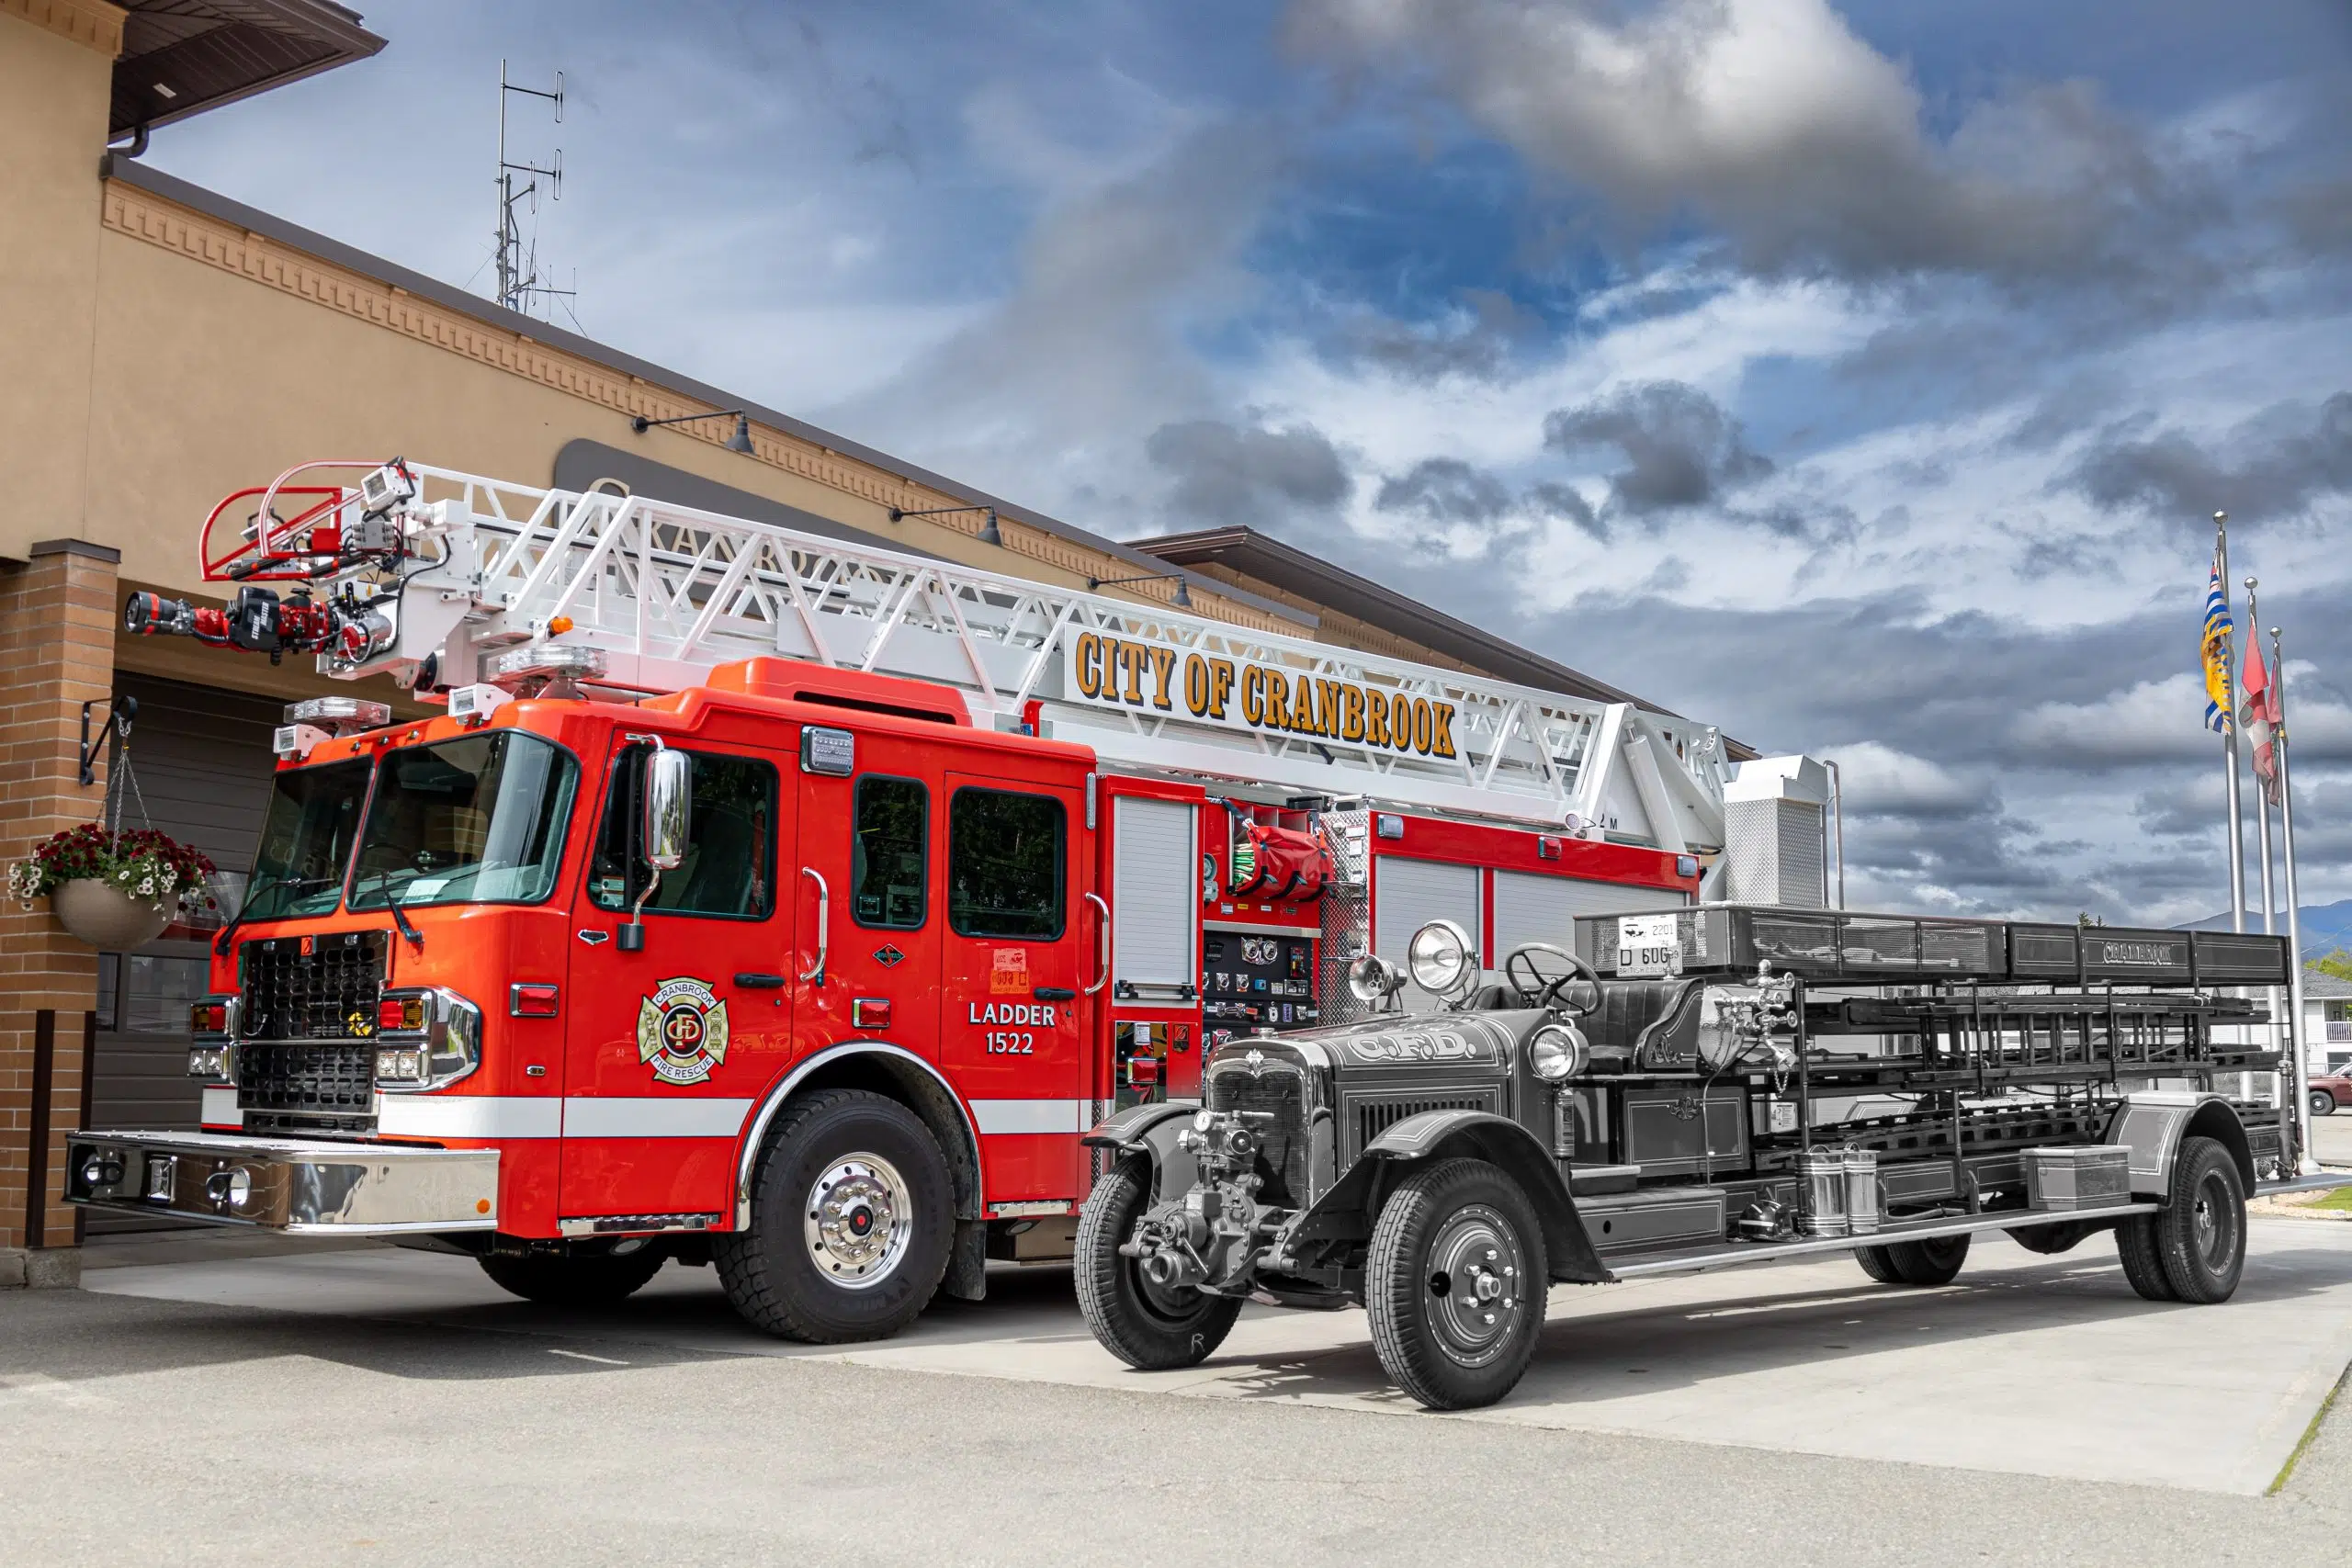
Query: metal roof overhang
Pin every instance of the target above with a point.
(183, 57)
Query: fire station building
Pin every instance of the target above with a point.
(163, 346)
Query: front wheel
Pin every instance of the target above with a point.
(2322, 1102)
(851, 1220)
(1150, 1326)
(1456, 1282)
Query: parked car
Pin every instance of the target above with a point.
(2328, 1090)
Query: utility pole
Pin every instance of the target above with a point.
(518, 268)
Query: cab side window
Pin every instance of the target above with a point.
(889, 855)
(1006, 855)
(730, 868)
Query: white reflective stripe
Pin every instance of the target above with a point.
(468, 1115)
(1031, 1115)
(221, 1109)
(613, 1117)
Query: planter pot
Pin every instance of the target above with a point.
(106, 918)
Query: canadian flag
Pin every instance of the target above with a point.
(2260, 717)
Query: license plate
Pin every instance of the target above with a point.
(1648, 945)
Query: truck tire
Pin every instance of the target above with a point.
(1151, 1327)
(2200, 1231)
(1933, 1261)
(1456, 1282)
(851, 1219)
(2135, 1244)
(1878, 1262)
(598, 1280)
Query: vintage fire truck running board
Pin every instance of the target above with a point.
(300, 1186)
(1734, 1254)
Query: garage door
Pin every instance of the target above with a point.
(1407, 895)
(202, 762)
(1531, 908)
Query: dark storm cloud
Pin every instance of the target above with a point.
(1779, 130)
(2275, 467)
(1679, 448)
(1478, 343)
(1446, 489)
(1227, 474)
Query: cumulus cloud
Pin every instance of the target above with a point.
(1769, 120)
(1880, 781)
(1227, 474)
(2163, 721)
(1678, 448)
(2276, 466)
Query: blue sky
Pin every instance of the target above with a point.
(1858, 378)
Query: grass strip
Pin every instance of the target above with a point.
(2310, 1432)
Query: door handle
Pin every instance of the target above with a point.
(760, 982)
(1053, 994)
(1104, 977)
(816, 972)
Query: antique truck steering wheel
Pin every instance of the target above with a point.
(1552, 993)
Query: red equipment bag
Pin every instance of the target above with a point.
(1282, 862)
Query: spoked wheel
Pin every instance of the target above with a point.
(1456, 1283)
(1149, 1326)
(2200, 1232)
(596, 1279)
(851, 1219)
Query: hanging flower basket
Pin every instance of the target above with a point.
(113, 890)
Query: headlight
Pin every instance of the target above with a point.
(437, 1039)
(1556, 1051)
(213, 1064)
(1440, 958)
(1372, 980)
(402, 1066)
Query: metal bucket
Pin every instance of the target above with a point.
(1821, 1193)
(1861, 1191)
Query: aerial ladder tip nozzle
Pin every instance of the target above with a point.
(258, 621)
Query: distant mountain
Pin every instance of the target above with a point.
(2325, 926)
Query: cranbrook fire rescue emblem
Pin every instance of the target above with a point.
(682, 1030)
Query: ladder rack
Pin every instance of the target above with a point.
(669, 591)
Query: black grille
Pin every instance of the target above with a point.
(287, 994)
(1273, 1104)
(1374, 1117)
(331, 1080)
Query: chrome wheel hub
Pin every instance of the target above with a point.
(857, 1220)
(1477, 1285)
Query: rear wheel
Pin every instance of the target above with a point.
(2322, 1102)
(1934, 1261)
(599, 1280)
(1149, 1326)
(851, 1220)
(1456, 1282)
(2135, 1244)
(2200, 1231)
(1878, 1262)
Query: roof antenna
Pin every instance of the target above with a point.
(518, 262)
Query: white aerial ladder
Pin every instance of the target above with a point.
(427, 574)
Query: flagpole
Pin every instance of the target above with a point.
(2299, 1063)
(2262, 818)
(2230, 732)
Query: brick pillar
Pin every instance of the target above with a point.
(57, 618)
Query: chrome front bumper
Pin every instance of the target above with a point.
(317, 1188)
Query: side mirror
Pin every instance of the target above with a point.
(662, 835)
(669, 788)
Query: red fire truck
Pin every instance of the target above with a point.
(793, 906)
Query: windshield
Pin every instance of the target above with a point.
(477, 821)
(305, 840)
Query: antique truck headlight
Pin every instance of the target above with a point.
(1441, 959)
(1557, 1050)
(426, 1039)
(1372, 980)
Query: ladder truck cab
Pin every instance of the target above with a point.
(750, 898)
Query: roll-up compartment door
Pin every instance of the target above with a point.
(1155, 897)
(1532, 907)
(1408, 894)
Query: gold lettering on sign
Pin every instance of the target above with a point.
(1106, 669)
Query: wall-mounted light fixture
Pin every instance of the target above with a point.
(987, 534)
(738, 441)
(1183, 600)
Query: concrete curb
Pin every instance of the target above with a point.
(41, 1268)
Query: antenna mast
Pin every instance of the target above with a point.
(518, 266)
